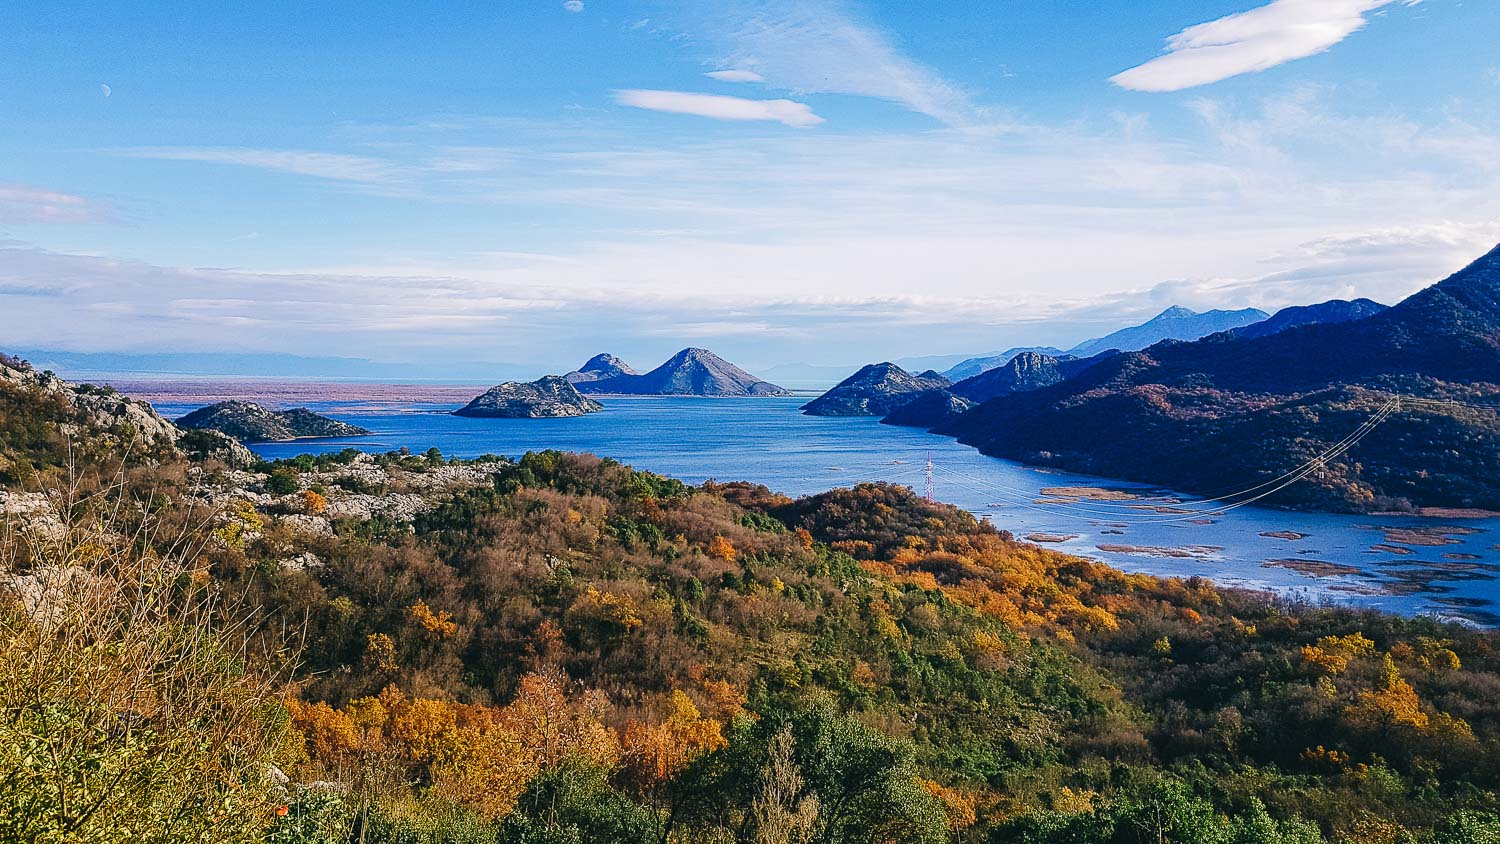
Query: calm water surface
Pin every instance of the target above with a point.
(767, 441)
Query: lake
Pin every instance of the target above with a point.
(1442, 567)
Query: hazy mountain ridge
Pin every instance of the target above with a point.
(1332, 311)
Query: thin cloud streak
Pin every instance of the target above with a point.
(27, 205)
(719, 107)
(818, 47)
(735, 76)
(1250, 42)
(321, 165)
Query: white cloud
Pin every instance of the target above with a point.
(1248, 42)
(322, 165)
(818, 47)
(720, 107)
(26, 204)
(745, 75)
(573, 5)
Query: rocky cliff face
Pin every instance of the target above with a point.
(1026, 371)
(875, 390)
(249, 422)
(552, 396)
(600, 366)
(89, 410)
(690, 372)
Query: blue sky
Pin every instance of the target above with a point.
(818, 181)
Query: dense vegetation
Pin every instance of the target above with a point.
(574, 651)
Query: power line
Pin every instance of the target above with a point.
(1263, 490)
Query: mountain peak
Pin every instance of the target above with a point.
(599, 366)
(606, 362)
(690, 372)
(875, 390)
(1176, 312)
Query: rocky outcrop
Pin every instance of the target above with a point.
(928, 409)
(1026, 371)
(875, 390)
(552, 396)
(249, 422)
(690, 372)
(600, 366)
(984, 363)
(92, 409)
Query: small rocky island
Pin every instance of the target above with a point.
(551, 396)
(251, 423)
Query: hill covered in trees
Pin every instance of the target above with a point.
(1230, 412)
(559, 648)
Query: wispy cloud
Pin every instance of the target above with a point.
(818, 47)
(720, 107)
(322, 165)
(752, 76)
(27, 204)
(1248, 42)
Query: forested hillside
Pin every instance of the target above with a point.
(1231, 412)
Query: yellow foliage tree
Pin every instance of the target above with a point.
(721, 549)
(313, 503)
(1393, 703)
(654, 754)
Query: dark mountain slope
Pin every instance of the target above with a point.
(690, 372)
(975, 365)
(1223, 413)
(1332, 311)
(875, 390)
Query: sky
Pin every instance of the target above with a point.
(814, 181)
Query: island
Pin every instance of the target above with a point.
(249, 422)
(549, 397)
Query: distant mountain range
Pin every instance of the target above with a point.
(195, 364)
(690, 372)
(1337, 310)
(1175, 323)
(1231, 411)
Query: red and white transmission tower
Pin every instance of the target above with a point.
(929, 477)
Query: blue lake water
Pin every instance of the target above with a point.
(767, 441)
